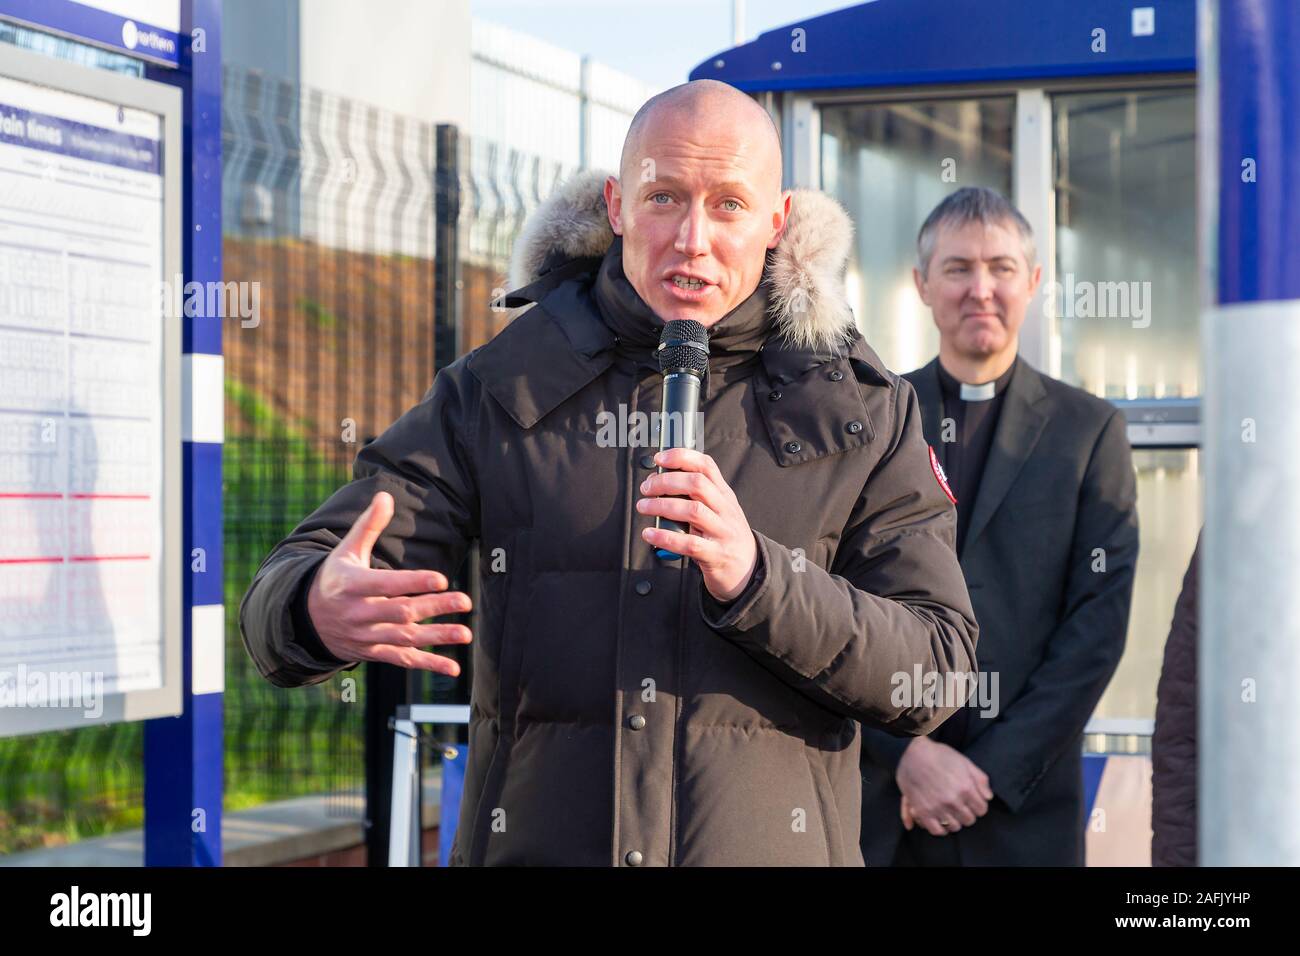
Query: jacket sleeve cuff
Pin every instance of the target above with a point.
(884, 749)
(721, 616)
(1011, 787)
(285, 653)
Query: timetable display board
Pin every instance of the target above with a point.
(89, 389)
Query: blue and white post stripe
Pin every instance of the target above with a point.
(184, 755)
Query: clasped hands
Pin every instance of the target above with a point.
(943, 790)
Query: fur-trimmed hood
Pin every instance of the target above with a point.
(804, 275)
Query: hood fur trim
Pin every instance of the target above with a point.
(804, 274)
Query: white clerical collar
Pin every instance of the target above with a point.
(978, 393)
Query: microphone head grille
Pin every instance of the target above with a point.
(683, 347)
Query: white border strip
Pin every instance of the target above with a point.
(208, 649)
(203, 397)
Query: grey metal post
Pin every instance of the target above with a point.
(584, 114)
(406, 832)
(1249, 655)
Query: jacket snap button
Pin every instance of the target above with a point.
(647, 461)
(643, 587)
(836, 375)
(633, 858)
(854, 427)
(793, 447)
(774, 396)
(636, 722)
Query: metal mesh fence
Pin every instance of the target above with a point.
(500, 186)
(329, 206)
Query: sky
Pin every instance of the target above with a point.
(657, 41)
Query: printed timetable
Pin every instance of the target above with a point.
(81, 366)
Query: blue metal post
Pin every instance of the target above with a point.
(183, 755)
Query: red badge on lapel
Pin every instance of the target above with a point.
(939, 476)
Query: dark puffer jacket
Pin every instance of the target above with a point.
(619, 715)
(1173, 745)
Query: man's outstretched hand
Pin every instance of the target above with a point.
(367, 614)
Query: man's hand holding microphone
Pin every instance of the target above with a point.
(368, 614)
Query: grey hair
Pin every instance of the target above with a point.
(988, 207)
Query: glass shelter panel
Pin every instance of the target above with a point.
(1126, 294)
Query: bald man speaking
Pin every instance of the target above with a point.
(632, 709)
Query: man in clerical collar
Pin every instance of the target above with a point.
(1042, 479)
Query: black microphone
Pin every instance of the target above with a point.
(683, 354)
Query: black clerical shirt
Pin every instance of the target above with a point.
(971, 423)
